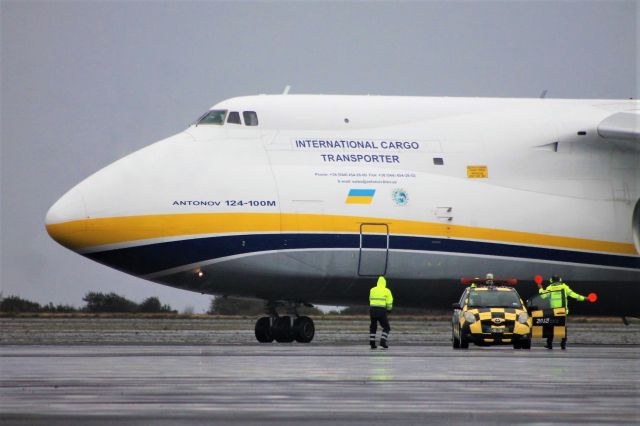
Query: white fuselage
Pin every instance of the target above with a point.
(326, 192)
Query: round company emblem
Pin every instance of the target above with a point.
(400, 197)
(497, 320)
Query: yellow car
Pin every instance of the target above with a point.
(491, 315)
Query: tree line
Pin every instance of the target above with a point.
(96, 302)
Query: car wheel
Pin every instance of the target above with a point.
(456, 341)
(464, 342)
(526, 344)
(517, 344)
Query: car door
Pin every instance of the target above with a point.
(457, 311)
(549, 314)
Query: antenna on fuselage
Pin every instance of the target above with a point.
(286, 90)
(543, 94)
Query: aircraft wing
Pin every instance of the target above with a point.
(622, 126)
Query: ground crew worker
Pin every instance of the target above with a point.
(380, 302)
(558, 291)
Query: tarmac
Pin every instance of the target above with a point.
(325, 382)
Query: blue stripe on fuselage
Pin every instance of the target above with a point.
(147, 259)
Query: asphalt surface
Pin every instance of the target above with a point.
(214, 331)
(324, 383)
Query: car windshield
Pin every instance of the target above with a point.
(493, 299)
(215, 116)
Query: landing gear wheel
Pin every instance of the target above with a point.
(304, 329)
(263, 330)
(282, 330)
(464, 342)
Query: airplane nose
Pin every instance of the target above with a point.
(65, 219)
(101, 210)
(69, 207)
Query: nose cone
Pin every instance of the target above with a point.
(104, 209)
(65, 220)
(69, 207)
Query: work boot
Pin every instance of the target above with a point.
(549, 345)
(563, 344)
(373, 345)
(383, 344)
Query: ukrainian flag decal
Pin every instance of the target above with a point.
(360, 196)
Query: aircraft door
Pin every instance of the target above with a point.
(549, 315)
(374, 249)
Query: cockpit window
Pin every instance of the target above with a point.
(215, 116)
(250, 118)
(234, 117)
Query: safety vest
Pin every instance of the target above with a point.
(559, 292)
(380, 296)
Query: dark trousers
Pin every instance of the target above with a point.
(563, 342)
(378, 315)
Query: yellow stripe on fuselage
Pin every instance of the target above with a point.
(82, 234)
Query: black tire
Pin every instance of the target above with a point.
(282, 330)
(263, 330)
(517, 344)
(526, 344)
(456, 341)
(464, 342)
(304, 329)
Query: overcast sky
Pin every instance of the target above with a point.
(85, 83)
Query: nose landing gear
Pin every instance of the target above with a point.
(284, 329)
(263, 330)
(304, 329)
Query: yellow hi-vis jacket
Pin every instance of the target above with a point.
(380, 295)
(559, 292)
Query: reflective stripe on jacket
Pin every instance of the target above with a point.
(380, 295)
